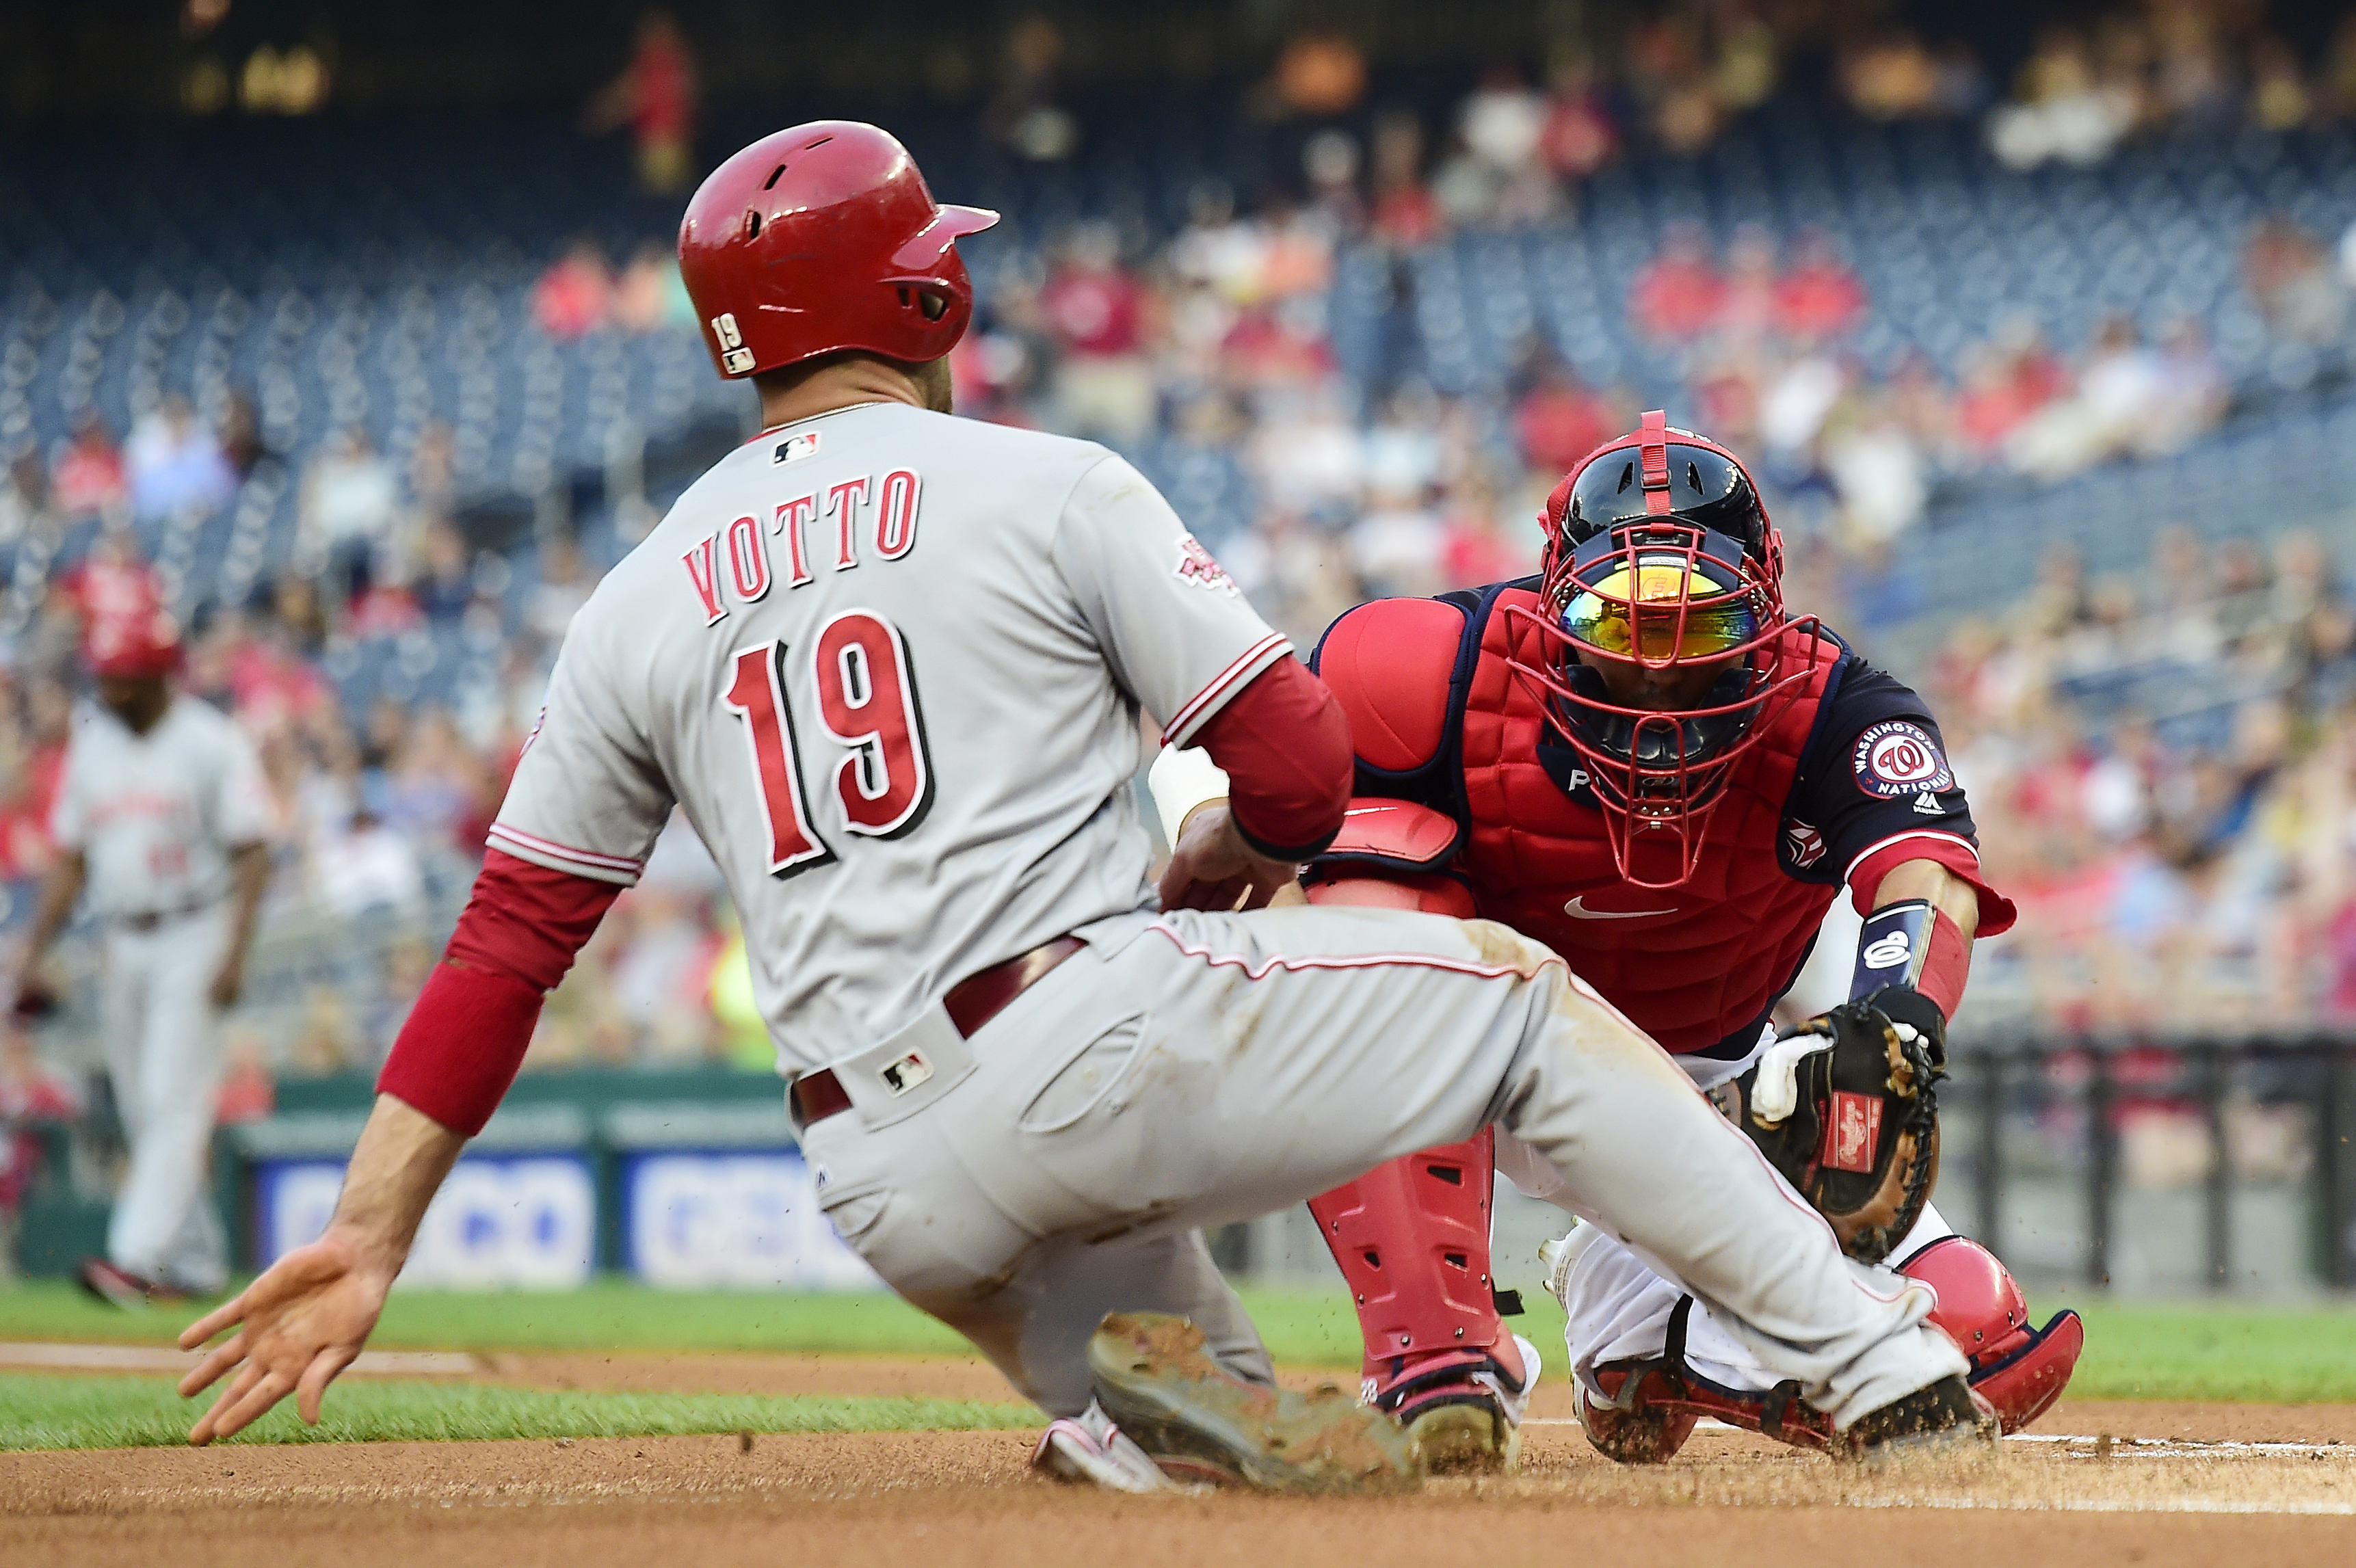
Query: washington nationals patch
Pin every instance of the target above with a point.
(1897, 758)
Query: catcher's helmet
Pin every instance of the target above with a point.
(1660, 558)
(822, 239)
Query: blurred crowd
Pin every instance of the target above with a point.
(2163, 769)
(581, 292)
(2164, 766)
(380, 811)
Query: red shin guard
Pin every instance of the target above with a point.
(1412, 1238)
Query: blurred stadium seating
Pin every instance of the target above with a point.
(1351, 330)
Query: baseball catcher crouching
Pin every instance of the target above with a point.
(1642, 758)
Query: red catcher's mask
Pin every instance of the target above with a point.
(1664, 653)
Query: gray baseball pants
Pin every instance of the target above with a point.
(1191, 1069)
(163, 1047)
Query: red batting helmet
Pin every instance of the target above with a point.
(138, 643)
(822, 239)
(1660, 557)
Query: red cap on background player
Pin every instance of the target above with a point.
(131, 643)
(821, 239)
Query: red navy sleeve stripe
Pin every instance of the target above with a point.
(1871, 850)
(1200, 707)
(534, 849)
(1958, 853)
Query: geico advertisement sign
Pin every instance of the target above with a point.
(527, 1222)
(734, 1219)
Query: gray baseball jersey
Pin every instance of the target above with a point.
(157, 814)
(890, 663)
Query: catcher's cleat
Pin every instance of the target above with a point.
(1945, 1418)
(1641, 1412)
(1089, 1448)
(1466, 1418)
(1199, 1422)
(1647, 1432)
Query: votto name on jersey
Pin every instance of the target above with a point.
(810, 530)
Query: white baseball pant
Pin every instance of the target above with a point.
(1193, 1069)
(1619, 1308)
(163, 1049)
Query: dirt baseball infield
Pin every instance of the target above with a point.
(2152, 1484)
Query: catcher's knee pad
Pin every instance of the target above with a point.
(1412, 1239)
(2019, 1370)
(1650, 1407)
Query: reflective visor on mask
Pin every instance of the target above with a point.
(1660, 609)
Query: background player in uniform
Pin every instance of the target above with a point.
(161, 817)
(1640, 761)
(890, 665)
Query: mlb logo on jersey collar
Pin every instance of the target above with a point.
(794, 447)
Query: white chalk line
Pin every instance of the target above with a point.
(2135, 1448)
(2106, 1505)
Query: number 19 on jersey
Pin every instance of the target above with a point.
(873, 729)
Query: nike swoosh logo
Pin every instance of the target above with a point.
(1577, 909)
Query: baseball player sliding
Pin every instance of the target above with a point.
(1641, 759)
(161, 817)
(890, 662)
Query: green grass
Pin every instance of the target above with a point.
(132, 1413)
(2261, 1354)
(606, 1314)
(1303, 1326)
(2226, 1350)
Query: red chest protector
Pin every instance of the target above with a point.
(1689, 966)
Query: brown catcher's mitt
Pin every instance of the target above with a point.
(1844, 1107)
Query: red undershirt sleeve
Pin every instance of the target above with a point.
(1961, 859)
(1285, 745)
(465, 1038)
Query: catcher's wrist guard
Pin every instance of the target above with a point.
(1845, 1108)
(1917, 947)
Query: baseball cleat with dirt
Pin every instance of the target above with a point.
(1944, 1419)
(1200, 1422)
(1089, 1450)
(1469, 1422)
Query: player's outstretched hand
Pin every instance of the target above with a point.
(297, 1326)
(1213, 868)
